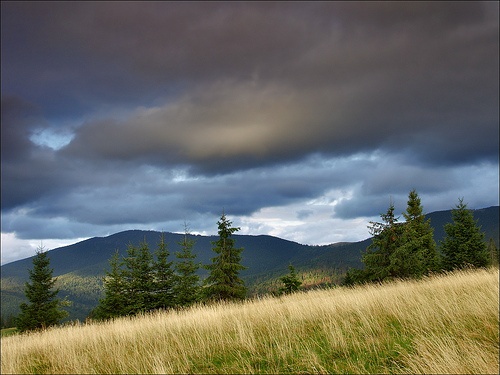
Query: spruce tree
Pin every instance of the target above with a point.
(377, 258)
(44, 308)
(417, 255)
(163, 276)
(138, 277)
(113, 304)
(291, 282)
(186, 288)
(463, 245)
(223, 282)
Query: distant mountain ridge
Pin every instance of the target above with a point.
(81, 266)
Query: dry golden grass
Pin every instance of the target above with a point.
(443, 324)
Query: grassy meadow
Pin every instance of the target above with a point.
(441, 324)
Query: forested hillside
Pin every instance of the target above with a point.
(80, 267)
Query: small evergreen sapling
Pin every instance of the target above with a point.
(291, 282)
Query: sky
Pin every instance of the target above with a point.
(302, 120)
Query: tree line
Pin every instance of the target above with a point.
(142, 281)
(408, 250)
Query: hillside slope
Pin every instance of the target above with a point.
(445, 324)
(81, 266)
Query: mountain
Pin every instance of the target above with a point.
(80, 267)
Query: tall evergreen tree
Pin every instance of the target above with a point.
(417, 254)
(164, 280)
(386, 239)
(113, 304)
(463, 245)
(44, 308)
(186, 289)
(223, 281)
(138, 277)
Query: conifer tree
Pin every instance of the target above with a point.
(417, 255)
(291, 282)
(163, 284)
(113, 304)
(44, 308)
(463, 245)
(223, 281)
(186, 288)
(138, 277)
(386, 239)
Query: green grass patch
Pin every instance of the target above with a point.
(9, 331)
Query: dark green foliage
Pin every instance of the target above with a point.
(138, 277)
(417, 255)
(354, 276)
(113, 303)
(141, 283)
(8, 321)
(223, 282)
(291, 282)
(129, 285)
(378, 256)
(399, 250)
(464, 244)
(44, 308)
(163, 279)
(186, 287)
(493, 252)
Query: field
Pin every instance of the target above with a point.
(442, 324)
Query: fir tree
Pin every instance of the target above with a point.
(223, 281)
(417, 255)
(138, 277)
(186, 287)
(386, 239)
(113, 304)
(291, 282)
(163, 293)
(463, 245)
(44, 308)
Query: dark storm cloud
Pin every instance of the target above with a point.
(18, 120)
(151, 195)
(424, 81)
(179, 109)
(28, 171)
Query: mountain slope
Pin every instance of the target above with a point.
(90, 257)
(80, 266)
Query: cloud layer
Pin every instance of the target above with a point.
(149, 114)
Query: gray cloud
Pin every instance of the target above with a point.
(268, 91)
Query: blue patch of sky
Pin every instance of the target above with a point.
(53, 138)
